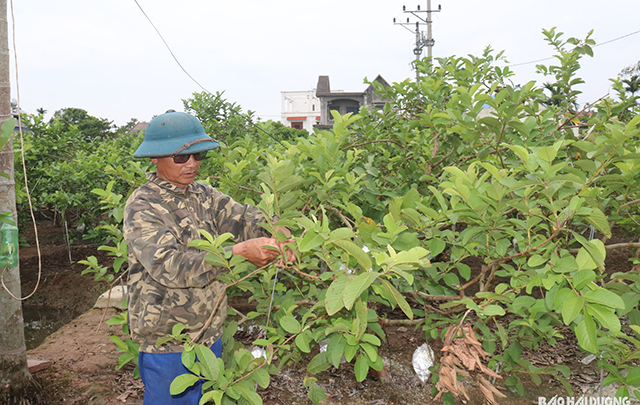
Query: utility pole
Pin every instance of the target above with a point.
(16, 383)
(421, 41)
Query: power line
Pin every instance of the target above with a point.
(421, 41)
(191, 77)
(615, 39)
(169, 48)
(551, 57)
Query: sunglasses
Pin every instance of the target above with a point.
(182, 159)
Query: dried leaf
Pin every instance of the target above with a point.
(489, 372)
(488, 390)
(448, 337)
(462, 352)
(488, 396)
(471, 339)
(486, 383)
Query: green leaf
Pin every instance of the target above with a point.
(571, 308)
(209, 364)
(340, 233)
(587, 335)
(558, 301)
(536, 260)
(333, 299)
(464, 270)
(318, 363)
(399, 299)
(369, 338)
(302, 341)
(600, 221)
(216, 261)
(582, 278)
(6, 131)
(118, 342)
(633, 378)
(360, 321)
(356, 286)
(335, 349)
(262, 377)
(177, 329)
(604, 297)
(634, 317)
(584, 260)
(520, 151)
(436, 246)
(355, 251)
(215, 396)
(361, 367)
(124, 359)
(182, 382)
(290, 324)
(493, 310)
(248, 392)
(371, 351)
(592, 248)
(310, 240)
(188, 360)
(606, 316)
(634, 121)
(317, 394)
(547, 153)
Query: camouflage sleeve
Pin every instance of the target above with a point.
(153, 244)
(243, 221)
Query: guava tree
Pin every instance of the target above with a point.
(467, 206)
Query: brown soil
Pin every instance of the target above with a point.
(84, 360)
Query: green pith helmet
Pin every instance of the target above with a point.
(174, 133)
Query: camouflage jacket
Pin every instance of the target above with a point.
(170, 282)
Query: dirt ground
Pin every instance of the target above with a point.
(62, 327)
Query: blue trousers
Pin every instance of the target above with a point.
(158, 370)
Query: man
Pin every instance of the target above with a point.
(169, 282)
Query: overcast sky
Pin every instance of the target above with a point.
(105, 57)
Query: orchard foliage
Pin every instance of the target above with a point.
(64, 164)
(468, 204)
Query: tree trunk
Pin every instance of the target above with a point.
(16, 383)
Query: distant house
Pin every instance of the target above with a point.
(312, 108)
(300, 109)
(140, 126)
(20, 125)
(344, 102)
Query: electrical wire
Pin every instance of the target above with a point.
(24, 169)
(191, 77)
(596, 45)
(169, 48)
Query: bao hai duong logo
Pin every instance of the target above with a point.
(556, 400)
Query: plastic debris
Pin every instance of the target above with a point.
(258, 352)
(588, 359)
(423, 358)
(323, 345)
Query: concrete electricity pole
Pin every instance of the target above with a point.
(15, 380)
(421, 41)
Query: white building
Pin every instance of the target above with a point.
(300, 109)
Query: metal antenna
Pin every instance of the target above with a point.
(421, 41)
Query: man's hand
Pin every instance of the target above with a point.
(291, 256)
(256, 252)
